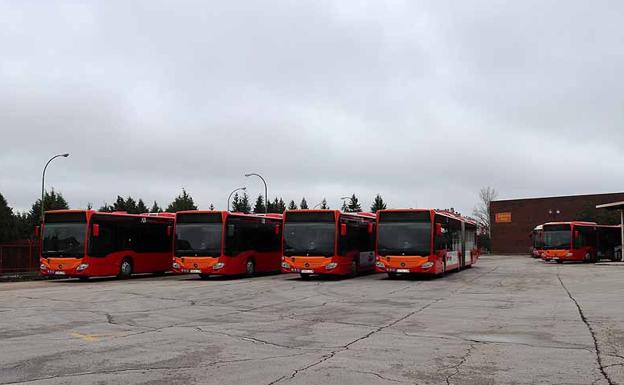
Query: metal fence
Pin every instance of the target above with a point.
(19, 257)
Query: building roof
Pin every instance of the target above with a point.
(611, 206)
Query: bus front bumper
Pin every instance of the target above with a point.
(198, 265)
(405, 265)
(316, 265)
(63, 267)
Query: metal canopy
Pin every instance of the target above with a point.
(612, 206)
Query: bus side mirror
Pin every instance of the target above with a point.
(96, 230)
(277, 229)
(37, 231)
(370, 228)
(343, 229)
(438, 229)
(169, 230)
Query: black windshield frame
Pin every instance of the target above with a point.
(199, 239)
(557, 237)
(404, 233)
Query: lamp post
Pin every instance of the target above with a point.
(43, 180)
(343, 201)
(266, 197)
(230, 196)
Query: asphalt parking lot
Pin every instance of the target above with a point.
(508, 320)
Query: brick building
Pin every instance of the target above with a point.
(512, 220)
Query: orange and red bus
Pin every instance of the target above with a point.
(225, 243)
(87, 243)
(424, 241)
(328, 242)
(537, 241)
(579, 241)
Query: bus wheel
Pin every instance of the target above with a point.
(125, 270)
(305, 277)
(250, 268)
(354, 269)
(588, 258)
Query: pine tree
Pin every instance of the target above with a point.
(182, 202)
(344, 207)
(354, 205)
(236, 203)
(292, 205)
(131, 206)
(324, 205)
(211, 207)
(89, 206)
(120, 204)
(304, 204)
(51, 201)
(244, 204)
(378, 204)
(259, 207)
(281, 206)
(274, 206)
(7, 222)
(155, 208)
(106, 208)
(141, 208)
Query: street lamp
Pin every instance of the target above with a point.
(43, 179)
(266, 197)
(343, 201)
(233, 191)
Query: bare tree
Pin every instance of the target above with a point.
(482, 211)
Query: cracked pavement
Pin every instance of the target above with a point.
(508, 320)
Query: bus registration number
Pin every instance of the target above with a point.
(59, 273)
(195, 271)
(307, 271)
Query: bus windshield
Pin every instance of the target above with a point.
(63, 239)
(200, 239)
(557, 237)
(309, 234)
(404, 233)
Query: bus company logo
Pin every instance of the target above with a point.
(402, 264)
(60, 266)
(306, 265)
(195, 265)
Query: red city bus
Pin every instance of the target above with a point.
(328, 242)
(537, 241)
(224, 243)
(424, 241)
(87, 243)
(570, 241)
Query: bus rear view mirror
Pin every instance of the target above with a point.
(96, 230)
(169, 230)
(370, 228)
(343, 229)
(438, 229)
(277, 229)
(37, 231)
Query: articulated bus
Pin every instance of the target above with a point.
(424, 241)
(537, 241)
(86, 243)
(580, 241)
(225, 243)
(328, 242)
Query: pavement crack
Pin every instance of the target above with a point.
(591, 332)
(461, 362)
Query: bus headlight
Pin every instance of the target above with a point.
(42, 266)
(82, 266)
(569, 255)
(218, 265)
(331, 265)
(427, 265)
(380, 264)
(285, 265)
(176, 265)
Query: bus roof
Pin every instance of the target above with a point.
(114, 213)
(576, 223)
(446, 213)
(231, 213)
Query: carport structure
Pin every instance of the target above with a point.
(620, 207)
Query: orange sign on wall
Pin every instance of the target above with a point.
(503, 217)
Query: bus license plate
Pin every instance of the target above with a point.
(195, 271)
(402, 270)
(59, 273)
(307, 271)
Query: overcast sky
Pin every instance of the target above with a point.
(423, 102)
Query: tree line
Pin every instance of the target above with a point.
(15, 225)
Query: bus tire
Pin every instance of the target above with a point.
(305, 277)
(588, 258)
(250, 268)
(125, 270)
(354, 269)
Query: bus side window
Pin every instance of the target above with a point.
(105, 243)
